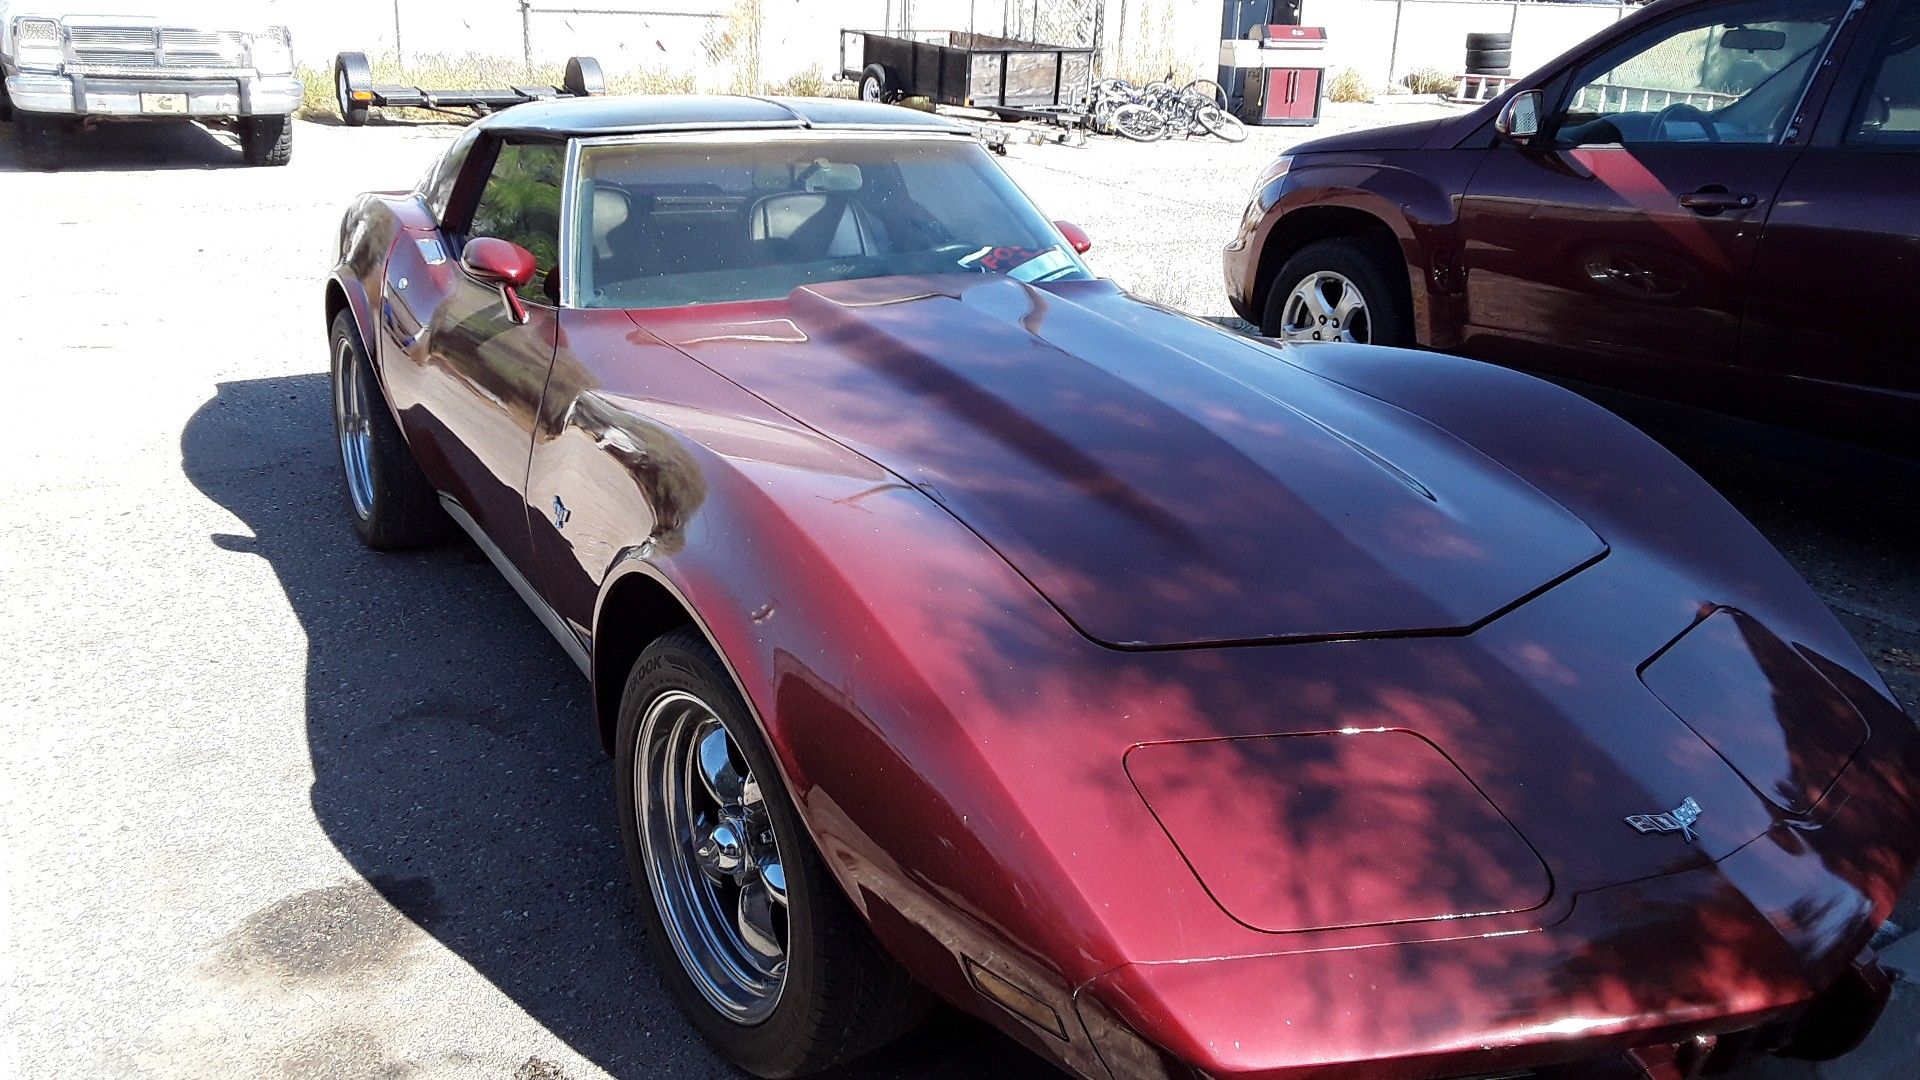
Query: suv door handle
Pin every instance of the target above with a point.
(1715, 199)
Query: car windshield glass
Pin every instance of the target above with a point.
(665, 222)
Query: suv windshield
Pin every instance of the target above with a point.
(664, 222)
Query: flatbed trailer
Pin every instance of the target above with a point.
(1012, 78)
(357, 94)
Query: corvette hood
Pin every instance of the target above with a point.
(1160, 481)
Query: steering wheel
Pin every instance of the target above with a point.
(1681, 110)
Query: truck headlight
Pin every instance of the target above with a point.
(271, 52)
(36, 45)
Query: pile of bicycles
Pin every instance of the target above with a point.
(1159, 110)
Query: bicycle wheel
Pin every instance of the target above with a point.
(1209, 91)
(1222, 123)
(1139, 123)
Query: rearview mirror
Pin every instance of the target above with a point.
(1519, 118)
(500, 262)
(1746, 40)
(1076, 236)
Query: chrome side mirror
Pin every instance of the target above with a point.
(1519, 119)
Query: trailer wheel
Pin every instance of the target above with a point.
(352, 76)
(877, 84)
(583, 77)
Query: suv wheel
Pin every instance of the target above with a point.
(266, 140)
(1340, 290)
(42, 140)
(750, 931)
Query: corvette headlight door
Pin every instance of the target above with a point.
(1761, 704)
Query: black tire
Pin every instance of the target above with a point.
(1482, 42)
(266, 140)
(404, 511)
(583, 77)
(352, 75)
(42, 140)
(6, 103)
(1373, 264)
(878, 84)
(843, 996)
(1490, 57)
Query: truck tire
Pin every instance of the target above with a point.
(1484, 42)
(1374, 266)
(266, 140)
(583, 78)
(352, 75)
(878, 84)
(42, 140)
(6, 103)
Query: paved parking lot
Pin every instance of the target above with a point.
(275, 805)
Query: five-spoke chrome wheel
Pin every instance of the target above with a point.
(352, 420)
(1326, 306)
(713, 862)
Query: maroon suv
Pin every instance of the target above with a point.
(1716, 202)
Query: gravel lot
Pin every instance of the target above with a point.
(275, 805)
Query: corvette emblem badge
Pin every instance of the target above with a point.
(1680, 819)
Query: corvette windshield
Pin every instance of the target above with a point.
(665, 222)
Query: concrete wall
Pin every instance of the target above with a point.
(728, 44)
(1384, 40)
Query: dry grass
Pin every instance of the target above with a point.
(1429, 81)
(1349, 85)
(465, 73)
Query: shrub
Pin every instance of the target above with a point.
(1349, 85)
(1429, 81)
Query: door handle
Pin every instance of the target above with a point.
(1716, 199)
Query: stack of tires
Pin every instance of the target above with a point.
(1489, 54)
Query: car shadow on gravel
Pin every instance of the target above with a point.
(454, 761)
(134, 147)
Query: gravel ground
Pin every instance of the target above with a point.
(275, 805)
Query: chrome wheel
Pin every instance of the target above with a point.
(869, 89)
(353, 421)
(713, 863)
(1326, 306)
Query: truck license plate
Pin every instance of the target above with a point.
(163, 103)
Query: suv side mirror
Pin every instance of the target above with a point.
(1519, 119)
(503, 263)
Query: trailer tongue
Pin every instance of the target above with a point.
(357, 94)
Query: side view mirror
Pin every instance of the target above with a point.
(500, 262)
(1519, 119)
(1076, 236)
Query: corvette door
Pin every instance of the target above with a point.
(1615, 248)
(471, 392)
(1831, 320)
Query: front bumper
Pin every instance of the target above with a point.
(1764, 951)
(120, 96)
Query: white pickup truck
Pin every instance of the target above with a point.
(221, 63)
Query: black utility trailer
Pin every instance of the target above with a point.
(356, 93)
(954, 67)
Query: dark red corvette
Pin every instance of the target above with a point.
(1181, 704)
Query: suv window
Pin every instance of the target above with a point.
(1731, 73)
(521, 203)
(1889, 108)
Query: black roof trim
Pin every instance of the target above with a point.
(570, 117)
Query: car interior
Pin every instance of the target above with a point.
(665, 227)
